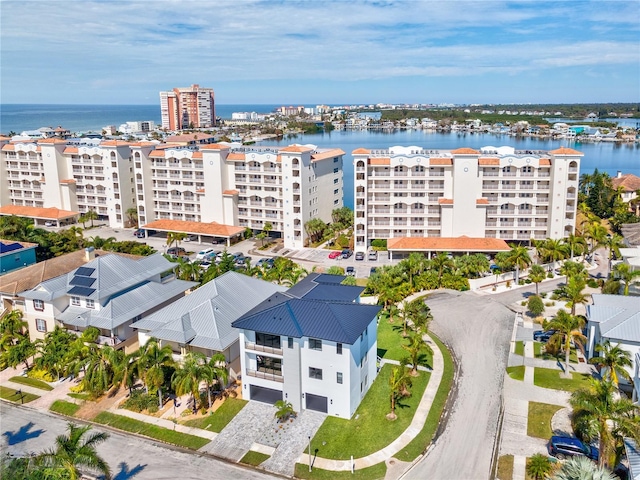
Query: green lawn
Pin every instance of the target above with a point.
(505, 467)
(516, 372)
(375, 472)
(220, 418)
(573, 358)
(159, 433)
(65, 408)
(422, 440)
(550, 378)
(519, 348)
(80, 396)
(32, 382)
(369, 430)
(13, 396)
(254, 458)
(390, 341)
(539, 419)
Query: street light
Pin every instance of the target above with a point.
(309, 453)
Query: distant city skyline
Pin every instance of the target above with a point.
(325, 52)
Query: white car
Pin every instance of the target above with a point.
(204, 254)
(49, 224)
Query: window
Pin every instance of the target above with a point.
(75, 301)
(269, 365)
(335, 170)
(267, 340)
(339, 377)
(290, 342)
(335, 180)
(41, 325)
(91, 303)
(335, 160)
(339, 348)
(38, 305)
(315, 344)
(315, 373)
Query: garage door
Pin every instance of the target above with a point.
(317, 403)
(265, 395)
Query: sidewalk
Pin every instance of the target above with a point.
(403, 440)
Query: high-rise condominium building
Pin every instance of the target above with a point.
(496, 193)
(186, 190)
(190, 107)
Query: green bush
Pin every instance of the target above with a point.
(343, 241)
(40, 374)
(543, 295)
(379, 244)
(550, 304)
(592, 283)
(535, 305)
(550, 275)
(523, 303)
(139, 401)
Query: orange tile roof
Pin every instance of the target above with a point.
(230, 192)
(544, 161)
(628, 181)
(465, 151)
(52, 140)
(68, 180)
(197, 155)
(157, 153)
(200, 190)
(296, 149)
(236, 156)
(440, 161)
(71, 150)
(361, 151)
(334, 152)
(195, 228)
(8, 147)
(188, 137)
(565, 151)
(482, 201)
(51, 213)
(214, 146)
(114, 143)
(379, 161)
(448, 244)
(142, 144)
(2, 138)
(488, 161)
(445, 201)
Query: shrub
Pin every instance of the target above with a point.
(535, 305)
(527, 281)
(550, 275)
(543, 295)
(508, 284)
(611, 287)
(139, 401)
(40, 374)
(539, 466)
(550, 304)
(523, 303)
(379, 244)
(592, 283)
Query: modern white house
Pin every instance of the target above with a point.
(313, 346)
(615, 318)
(201, 321)
(109, 292)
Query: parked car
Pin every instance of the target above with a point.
(204, 254)
(346, 253)
(562, 447)
(372, 271)
(241, 261)
(351, 271)
(266, 262)
(373, 255)
(190, 238)
(542, 335)
(176, 251)
(359, 256)
(335, 254)
(205, 264)
(49, 224)
(139, 233)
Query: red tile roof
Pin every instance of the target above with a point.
(447, 244)
(50, 213)
(214, 146)
(544, 161)
(628, 181)
(445, 201)
(68, 180)
(114, 143)
(488, 161)
(71, 150)
(236, 157)
(441, 161)
(230, 192)
(8, 147)
(465, 151)
(361, 151)
(379, 161)
(334, 152)
(213, 228)
(482, 201)
(565, 151)
(296, 149)
(52, 140)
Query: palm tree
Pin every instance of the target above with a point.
(175, 237)
(624, 272)
(582, 468)
(399, 384)
(90, 215)
(100, 370)
(414, 348)
(613, 360)
(12, 327)
(215, 371)
(600, 413)
(554, 250)
(572, 269)
(187, 377)
(267, 227)
(537, 275)
(613, 243)
(572, 292)
(284, 410)
(441, 263)
(595, 234)
(414, 265)
(538, 467)
(576, 244)
(132, 213)
(102, 243)
(152, 362)
(568, 328)
(519, 257)
(77, 451)
(80, 350)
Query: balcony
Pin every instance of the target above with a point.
(261, 348)
(266, 376)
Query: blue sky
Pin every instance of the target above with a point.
(321, 51)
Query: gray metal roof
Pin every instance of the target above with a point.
(321, 286)
(617, 315)
(633, 456)
(203, 318)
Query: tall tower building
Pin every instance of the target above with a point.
(188, 107)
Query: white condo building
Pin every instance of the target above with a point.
(403, 194)
(215, 191)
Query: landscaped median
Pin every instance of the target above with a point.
(31, 382)
(16, 396)
(64, 408)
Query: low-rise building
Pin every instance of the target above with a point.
(15, 255)
(314, 346)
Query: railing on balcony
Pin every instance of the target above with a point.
(266, 376)
(262, 348)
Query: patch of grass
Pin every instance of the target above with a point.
(32, 382)
(220, 418)
(516, 372)
(519, 348)
(13, 395)
(254, 458)
(65, 408)
(505, 467)
(390, 341)
(539, 419)
(573, 358)
(550, 378)
(369, 430)
(159, 433)
(80, 396)
(422, 440)
(361, 282)
(374, 472)
(537, 349)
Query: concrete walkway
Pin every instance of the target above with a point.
(403, 440)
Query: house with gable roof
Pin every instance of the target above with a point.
(314, 346)
(201, 321)
(109, 292)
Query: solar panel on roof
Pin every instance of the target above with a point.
(85, 272)
(82, 291)
(82, 281)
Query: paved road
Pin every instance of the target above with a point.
(131, 458)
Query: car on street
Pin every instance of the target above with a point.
(346, 253)
(351, 271)
(359, 256)
(204, 254)
(562, 447)
(335, 254)
(543, 335)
